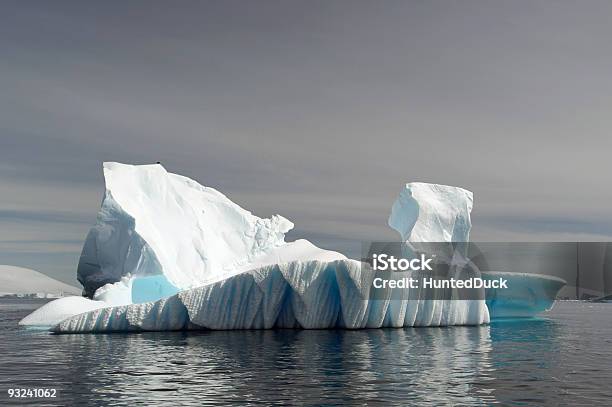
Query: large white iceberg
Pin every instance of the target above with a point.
(167, 253)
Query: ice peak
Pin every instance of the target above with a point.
(432, 213)
(153, 222)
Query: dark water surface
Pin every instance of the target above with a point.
(564, 358)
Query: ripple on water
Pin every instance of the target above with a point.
(547, 360)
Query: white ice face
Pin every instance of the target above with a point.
(300, 294)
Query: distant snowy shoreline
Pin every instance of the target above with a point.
(20, 282)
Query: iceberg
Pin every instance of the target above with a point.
(167, 253)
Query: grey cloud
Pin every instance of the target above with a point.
(43, 216)
(319, 111)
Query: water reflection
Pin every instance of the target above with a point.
(545, 361)
(521, 373)
(416, 365)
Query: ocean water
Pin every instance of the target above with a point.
(563, 358)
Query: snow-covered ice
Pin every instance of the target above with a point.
(167, 253)
(20, 281)
(56, 311)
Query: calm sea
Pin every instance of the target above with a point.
(564, 358)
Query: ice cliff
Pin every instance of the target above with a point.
(167, 253)
(156, 224)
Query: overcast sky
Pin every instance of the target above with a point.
(316, 110)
